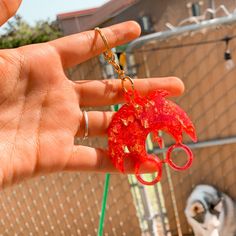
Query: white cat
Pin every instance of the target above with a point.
(211, 212)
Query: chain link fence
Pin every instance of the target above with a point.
(210, 100)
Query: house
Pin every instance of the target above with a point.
(151, 14)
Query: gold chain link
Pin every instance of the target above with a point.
(110, 58)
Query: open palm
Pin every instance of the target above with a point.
(40, 108)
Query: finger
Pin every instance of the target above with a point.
(8, 8)
(77, 48)
(98, 123)
(97, 160)
(108, 92)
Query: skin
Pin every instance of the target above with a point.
(40, 108)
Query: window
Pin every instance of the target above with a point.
(195, 8)
(146, 24)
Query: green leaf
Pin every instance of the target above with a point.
(18, 32)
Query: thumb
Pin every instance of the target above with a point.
(8, 8)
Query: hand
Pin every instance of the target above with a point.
(40, 107)
(8, 9)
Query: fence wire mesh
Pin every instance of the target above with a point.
(210, 101)
(67, 204)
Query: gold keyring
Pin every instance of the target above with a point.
(104, 39)
(123, 83)
(108, 53)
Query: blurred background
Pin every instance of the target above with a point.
(194, 40)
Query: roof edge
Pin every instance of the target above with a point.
(72, 14)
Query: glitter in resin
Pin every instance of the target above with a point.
(137, 118)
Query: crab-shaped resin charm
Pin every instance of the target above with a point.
(140, 116)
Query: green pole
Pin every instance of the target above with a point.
(104, 203)
(104, 198)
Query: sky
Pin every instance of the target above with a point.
(34, 10)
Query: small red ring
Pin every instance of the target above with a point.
(188, 152)
(158, 169)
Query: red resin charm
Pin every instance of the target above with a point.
(137, 118)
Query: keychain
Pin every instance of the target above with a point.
(138, 117)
